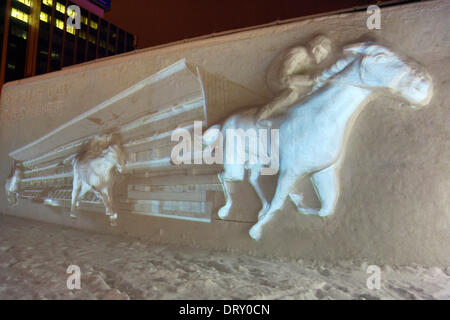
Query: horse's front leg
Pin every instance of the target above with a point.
(253, 179)
(286, 182)
(225, 210)
(16, 197)
(76, 186)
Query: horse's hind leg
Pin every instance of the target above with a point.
(225, 210)
(327, 190)
(12, 198)
(108, 202)
(253, 179)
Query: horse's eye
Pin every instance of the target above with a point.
(379, 57)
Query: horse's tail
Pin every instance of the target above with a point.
(211, 135)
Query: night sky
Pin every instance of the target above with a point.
(162, 21)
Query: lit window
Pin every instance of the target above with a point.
(61, 8)
(59, 24)
(48, 2)
(92, 39)
(70, 29)
(25, 2)
(94, 25)
(22, 16)
(44, 17)
(84, 20)
(82, 34)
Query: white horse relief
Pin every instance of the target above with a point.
(94, 169)
(12, 185)
(313, 132)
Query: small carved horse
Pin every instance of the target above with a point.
(94, 169)
(12, 185)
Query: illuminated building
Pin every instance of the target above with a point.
(36, 38)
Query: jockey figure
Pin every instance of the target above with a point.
(290, 76)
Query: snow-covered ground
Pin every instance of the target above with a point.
(34, 258)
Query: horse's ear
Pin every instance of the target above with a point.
(357, 48)
(113, 148)
(106, 150)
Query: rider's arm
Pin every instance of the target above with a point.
(293, 63)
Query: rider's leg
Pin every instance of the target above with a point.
(287, 97)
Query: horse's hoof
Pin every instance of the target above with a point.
(72, 215)
(324, 213)
(223, 213)
(297, 199)
(113, 220)
(255, 233)
(307, 211)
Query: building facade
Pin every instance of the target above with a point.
(37, 39)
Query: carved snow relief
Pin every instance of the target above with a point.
(313, 131)
(72, 168)
(77, 166)
(94, 169)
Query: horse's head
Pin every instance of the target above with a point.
(381, 68)
(116, 156)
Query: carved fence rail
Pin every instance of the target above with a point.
(144, 116)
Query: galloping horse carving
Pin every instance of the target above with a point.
(313, 131)
(12, 185)
(93, 169)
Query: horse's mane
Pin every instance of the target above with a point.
(339, 66)
(95, 147)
